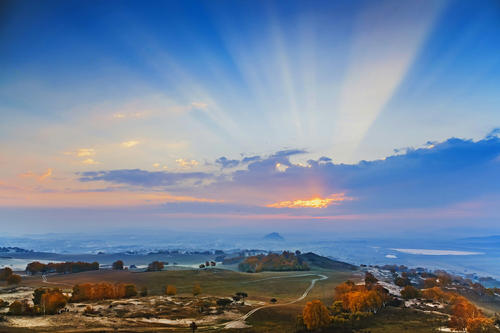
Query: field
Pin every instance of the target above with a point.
(157, 312)
(285, 287)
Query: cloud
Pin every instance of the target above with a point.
(440, 174)
(250, 159)
(89, 161)
(448, 174)
(226, 163)
(183, 163)
(199, 105)
(130, 144)
(40, 177)
(137, 177)
(85, 152)
(311, 203)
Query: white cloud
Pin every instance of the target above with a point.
(130, 144)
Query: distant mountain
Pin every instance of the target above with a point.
(274, 236)
(315, 260)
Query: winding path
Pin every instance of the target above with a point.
(240, 322)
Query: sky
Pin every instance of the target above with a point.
(244, 115)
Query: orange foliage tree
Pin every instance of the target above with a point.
(52, 301)
(14, 279)
(171, 290)
(315, 315)
(358, 298)
(466, 316)
(103, 290)
(196, 290)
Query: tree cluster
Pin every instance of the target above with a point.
(6, 274)
(102, 290)
(287, 261)
(155, 266)
(63, 267)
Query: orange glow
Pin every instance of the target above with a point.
(316, 202)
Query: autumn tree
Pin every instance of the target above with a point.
(479, 325)
(463, 312)
(130, 290)
(5, 273)
(223, 302)
(410, 292)
(52, 301)
(170, 290)
(155, 266)
(14, 279)
(315, 315)
(118, 265)
(196, 290)
(370, 279)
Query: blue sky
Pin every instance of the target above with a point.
(228, 111)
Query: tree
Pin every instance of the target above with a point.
(430, 283)
(52, 301)
(130, 290)
(155, 266)
(315, 315)
(5, 273)
(223, 302)
(242, 295)
(462, 312)
(370, 279)
(118, 265)
(193, 326)
(170, 290)
(479, 325)
(196, 290)
(16, 308)
(402, 282)
(14, 279)
(410, 292)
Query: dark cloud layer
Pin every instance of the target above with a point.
(142, 178)
(453, 171)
